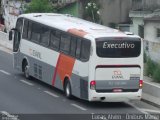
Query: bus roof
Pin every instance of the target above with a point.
(67, 22)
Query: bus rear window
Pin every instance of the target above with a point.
(124, 48)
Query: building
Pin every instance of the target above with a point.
(152, 37)
(10, 11)
(114, 11)
(141, 9)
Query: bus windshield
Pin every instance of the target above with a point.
(118, 48)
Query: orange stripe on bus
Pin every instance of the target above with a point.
(77, 32)
(64, 67)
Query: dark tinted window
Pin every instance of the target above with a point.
(45, 36)
(118, 48)
(25, 29)
(65, 43)
(17, 34)
(73, 46)
(19, 24)
(85, 50)
(36, 31)
(29, 30)
(78, 50)
(55, 39)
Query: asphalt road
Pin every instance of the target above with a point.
(21, 96)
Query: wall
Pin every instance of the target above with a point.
(115, 11)
(152, 43)
(136, 22)
(151, 4)
(150, 31)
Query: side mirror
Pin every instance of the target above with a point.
(10, 35)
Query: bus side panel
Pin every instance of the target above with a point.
(79, 86)
(37, 68)
(79, 79)
(58, 82)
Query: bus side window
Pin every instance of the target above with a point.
(25, 30)
(19, 24)
(29, 30)
(78, 49)
(55, 39)
(65, 43)
(73, 46)
(85, 50)
(36, 31)
(17, 34)
(45, 36)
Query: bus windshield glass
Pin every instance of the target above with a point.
(118, 48)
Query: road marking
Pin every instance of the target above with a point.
(149, 110)
(142, 110)
(79, 107)
(152, 84)
(5, 72)
(139, 109)
(7, 116)
(52, 94)
(26, 82)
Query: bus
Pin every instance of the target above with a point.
(84, 59)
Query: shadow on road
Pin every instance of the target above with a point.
(93, 105)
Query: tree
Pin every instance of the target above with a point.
(39, 6)
(92, 11)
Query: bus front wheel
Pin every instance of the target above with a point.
(26, 71)
(67, 89)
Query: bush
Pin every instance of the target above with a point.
(145, 57)
(39, 6)
(151, 66)
(156, 75)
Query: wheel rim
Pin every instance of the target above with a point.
(68, 90)
(26, 72)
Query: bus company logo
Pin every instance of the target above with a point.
(117, 74)
(35, 53)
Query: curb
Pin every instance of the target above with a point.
(151, 103)
(151, 93)
(6, 45)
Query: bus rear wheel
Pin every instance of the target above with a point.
(67, 89)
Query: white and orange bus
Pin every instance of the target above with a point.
(86, 60)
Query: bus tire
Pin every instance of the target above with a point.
(26, 71)
(67, 89)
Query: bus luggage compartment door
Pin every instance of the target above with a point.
(117, 79)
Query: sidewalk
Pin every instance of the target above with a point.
(151, 90)
(4, 41)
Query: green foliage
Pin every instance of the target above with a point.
(112, 25)
(144, 57)
(92, 12)
(151, 66)
(39, 6)
(152, 69)
(156, 75)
